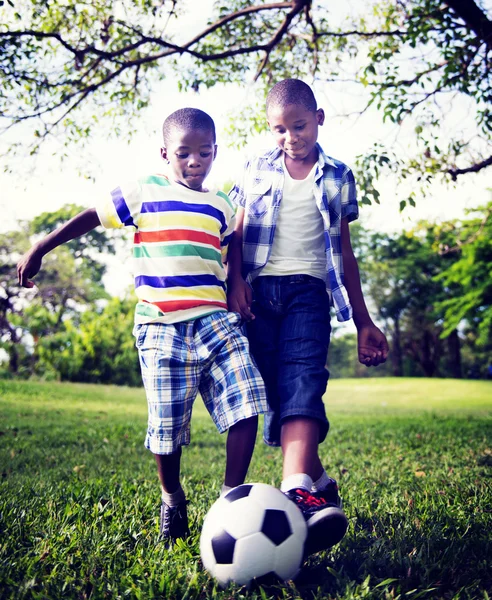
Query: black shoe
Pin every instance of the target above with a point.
(330, 493)
(174, 523)
(326, 521)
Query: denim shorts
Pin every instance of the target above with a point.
(209, 355)
(289, 340)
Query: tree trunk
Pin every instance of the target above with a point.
(454, 350)
(428, 356)
(474, 17)
(13, 360)
(396, 354)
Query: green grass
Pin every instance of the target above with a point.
(79, 497)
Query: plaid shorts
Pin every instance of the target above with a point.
(209, 355)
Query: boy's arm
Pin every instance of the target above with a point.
(239, 295)
(372, 343)
(30, 263)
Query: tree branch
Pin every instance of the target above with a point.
(365, 34)
(474, 18)
(471, 169)
(297, 7)
(459, 244)
(241, 13)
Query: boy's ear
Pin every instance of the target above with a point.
(215, 151)
(320, 116)
(164, 153)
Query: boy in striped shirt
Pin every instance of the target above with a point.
(187, 340)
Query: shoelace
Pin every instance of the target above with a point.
(167, 519)
(170, 515)
(309, 499)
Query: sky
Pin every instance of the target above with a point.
(50, 184)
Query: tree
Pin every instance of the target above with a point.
(402, 278)
(469, 276)
(12, 246)
(98, 348)
(69, 281)
(87, 249)
(65, 66)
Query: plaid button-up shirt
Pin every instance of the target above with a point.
(260, 194)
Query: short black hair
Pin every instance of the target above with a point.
(187, 119)
(291, 91)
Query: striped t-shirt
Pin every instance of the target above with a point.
(179, 246)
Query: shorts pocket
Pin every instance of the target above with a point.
(140, 332)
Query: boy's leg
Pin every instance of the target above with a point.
(232, 389)
(174, 516)
(239, 448)
(168, 469)
(289, 338)
(322, 510)
(263, 334)
(170, 391)
(299, 440)
(302, 380)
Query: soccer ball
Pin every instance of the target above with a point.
(252, 531)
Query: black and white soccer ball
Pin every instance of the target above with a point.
(253, 531)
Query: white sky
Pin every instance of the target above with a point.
(51, 184)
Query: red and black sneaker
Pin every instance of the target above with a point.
(326, 521)
(330, 493)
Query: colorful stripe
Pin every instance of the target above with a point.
(186, 293)
(173, 206)
(177, 250)
(121, 207)
(171, 306)
(179, 245)
(175, 235)
(178, 281)
(178, 220)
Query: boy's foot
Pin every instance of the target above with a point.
(174, 523)
(330, 493)
(326, 521)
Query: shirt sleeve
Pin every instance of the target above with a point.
(230, 219)
(237, 193)
(122, 208)
(350, 207)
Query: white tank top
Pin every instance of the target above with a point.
(299, 244)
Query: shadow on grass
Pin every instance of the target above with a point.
(438, 559)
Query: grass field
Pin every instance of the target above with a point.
(79, 498)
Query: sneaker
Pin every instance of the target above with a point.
(326, 521)
(174, 523)
(330, 494)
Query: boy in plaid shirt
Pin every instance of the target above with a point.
(289, 261)
(187, 340)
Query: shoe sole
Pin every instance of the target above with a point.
(326, 528)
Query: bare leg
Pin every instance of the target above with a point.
(299, 439)
(240, 445)
(317, 468)
(168, 469)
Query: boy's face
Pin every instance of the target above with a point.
(190, 155)
(295, 129)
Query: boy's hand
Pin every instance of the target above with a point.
(373, 346)
(27, 267)
(239, 298)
